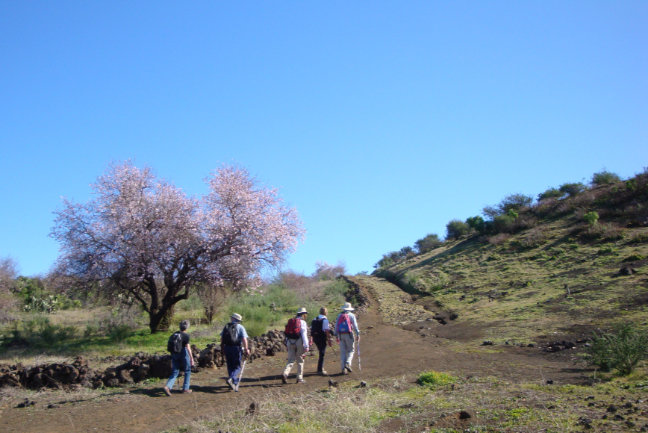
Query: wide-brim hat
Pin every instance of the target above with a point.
(237, 316)
(347, 307)
(302, 310)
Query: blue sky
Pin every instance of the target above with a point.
(379, 121)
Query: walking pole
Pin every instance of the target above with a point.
(240, 376)
(359, 362)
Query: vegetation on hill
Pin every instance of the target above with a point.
(570, 263)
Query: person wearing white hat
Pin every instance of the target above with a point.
(234, 342)
(297, 344)
(346, 332)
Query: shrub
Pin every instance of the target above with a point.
(456, 229)
(119, 332)
(476, 223)
(550, 193)
(640, 238)
(428, 243)
(604, 178)
(591, 218)
(572, 189)
(434, 379)
(602, 232)
(622, 349)
(634, 258)
(503, 224)
(499, 239)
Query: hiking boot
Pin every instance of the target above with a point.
(300, 381)
(284, 379)
(187, 391)
(167, 391)
(348, 367)
(230, 382)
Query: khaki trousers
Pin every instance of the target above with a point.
(295, 351)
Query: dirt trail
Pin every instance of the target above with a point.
(386, 351)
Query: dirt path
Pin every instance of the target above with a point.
(386, 351)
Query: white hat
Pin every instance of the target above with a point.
(237, 316)
(347, 307)
(302, 310)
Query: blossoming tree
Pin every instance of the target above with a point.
(145, 238)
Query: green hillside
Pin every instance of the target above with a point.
(563, 267)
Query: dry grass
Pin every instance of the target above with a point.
(398, 404)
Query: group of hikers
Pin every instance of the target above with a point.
(299, 338)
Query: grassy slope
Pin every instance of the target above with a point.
(563, 284)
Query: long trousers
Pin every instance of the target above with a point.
(295, 351)
(347, 348)
(321, 348)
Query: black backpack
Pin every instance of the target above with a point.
(174, 345)
(230, 335)
(316, 327)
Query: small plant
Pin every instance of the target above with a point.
(434, 379)
(119, 332)
(622, 349)
(633, 258)
(591, 218)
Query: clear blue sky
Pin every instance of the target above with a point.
(379, 121)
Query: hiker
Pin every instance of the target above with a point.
(346, 333)
(234, 342)
(297, 344)
(321, 335)
(181, 358)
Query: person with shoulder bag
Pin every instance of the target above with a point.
(347, 332)
(297, 344)
(181, 358)
(234, 343)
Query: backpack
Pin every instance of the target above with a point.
(293, 328)
(316, 327)
(174, 345)
(230, 335)
(343, 324)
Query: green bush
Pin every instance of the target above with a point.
(477, 223)
(456, 229)
(119, 332)
(428, 243)
(572, 189)
(604, 178)
(591, 218)
(550, 193)
(622, 349)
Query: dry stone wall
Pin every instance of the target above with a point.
(135, 369)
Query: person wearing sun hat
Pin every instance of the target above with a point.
(297, 344)
(346, 332)
(234, 342)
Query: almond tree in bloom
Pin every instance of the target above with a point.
(145, 238)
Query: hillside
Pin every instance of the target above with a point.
(552, 275)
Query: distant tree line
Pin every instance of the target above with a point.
(512, 214)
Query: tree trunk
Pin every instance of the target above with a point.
(161, 321)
